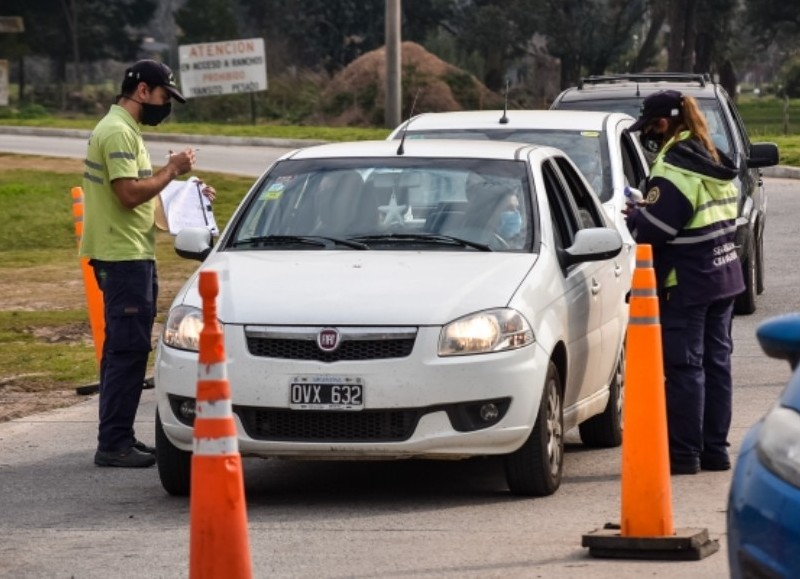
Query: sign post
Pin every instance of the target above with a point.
(3, 83)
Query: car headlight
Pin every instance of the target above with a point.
(182, 329)
(779, 444)
(489, 331)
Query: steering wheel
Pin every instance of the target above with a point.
(499, 241)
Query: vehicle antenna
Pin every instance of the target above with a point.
(401, 150)
(504, 118)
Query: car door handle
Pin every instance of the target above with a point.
(617, 269)
(596, 287)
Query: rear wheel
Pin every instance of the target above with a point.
(745, 303)
(760, 263)
(605, 430)
(535, 469)
(174, 464)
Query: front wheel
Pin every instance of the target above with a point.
(174, 464)
(535, 468)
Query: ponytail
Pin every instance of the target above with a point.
(694, 121)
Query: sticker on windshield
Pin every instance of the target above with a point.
(274, 191)
(593, 134)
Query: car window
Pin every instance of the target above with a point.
(481, 201)
(588, 212)
(718, 128)
(587, 149)
(564, 222)
(631, 106)
(633, 166)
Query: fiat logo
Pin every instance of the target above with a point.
(328, 339)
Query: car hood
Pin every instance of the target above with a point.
(359, 287)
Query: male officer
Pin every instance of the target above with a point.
(120, 191)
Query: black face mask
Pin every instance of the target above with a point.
(154, 114)
(651, 142)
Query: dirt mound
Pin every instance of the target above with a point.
(356, 95)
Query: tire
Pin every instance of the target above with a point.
(174, 464)
(535, 469)
(605, 430)
(745, 303)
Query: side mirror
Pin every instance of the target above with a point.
(594, 244)
(780, 338)
(194, 243)
(763, 155)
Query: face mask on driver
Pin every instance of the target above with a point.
(154, 114)
(510, 224)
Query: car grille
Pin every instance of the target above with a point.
(290, 343)
(327, 426)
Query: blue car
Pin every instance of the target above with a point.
(764, 502)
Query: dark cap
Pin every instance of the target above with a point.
(659, 105)
(154, 74)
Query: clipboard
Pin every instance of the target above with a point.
(182, 204)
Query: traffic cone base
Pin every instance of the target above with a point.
(684, 545)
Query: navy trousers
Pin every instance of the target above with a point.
(130, 292)
(697, 348)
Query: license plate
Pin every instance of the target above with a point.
(326, 393)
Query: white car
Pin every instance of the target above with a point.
(598, 142)
(408, 300)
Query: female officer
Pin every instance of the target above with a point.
(689, 218)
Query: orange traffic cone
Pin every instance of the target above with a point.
(646, 531)
(94, 297)
(219, 546)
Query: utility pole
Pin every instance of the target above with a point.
(393, 78)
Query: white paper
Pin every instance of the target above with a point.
(186, 206)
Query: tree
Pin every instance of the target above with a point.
(774, 20)
(498, 30)
(97, 29)
(589, 35)
(312, 33)
(206, 21)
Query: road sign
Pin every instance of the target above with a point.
(224, 67)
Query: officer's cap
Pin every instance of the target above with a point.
(659, 105)
(154, 74)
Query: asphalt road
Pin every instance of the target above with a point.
(213, 154)
(64, 517)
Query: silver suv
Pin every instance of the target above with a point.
(625, 93)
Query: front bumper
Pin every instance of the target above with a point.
(420, 405)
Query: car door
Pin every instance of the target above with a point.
(583, 305)
(633, 173)
(608, 285)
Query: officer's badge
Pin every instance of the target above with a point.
(652, 196)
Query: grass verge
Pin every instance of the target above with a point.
(45, 339)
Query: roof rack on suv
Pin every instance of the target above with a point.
(701, 79)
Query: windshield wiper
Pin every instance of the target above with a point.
(427, 237)
(316, 240)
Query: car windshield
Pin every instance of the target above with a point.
(388, 203)
(717, 128)
(586, 148)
